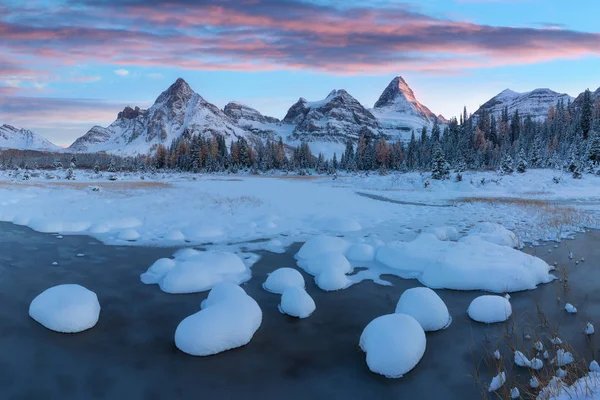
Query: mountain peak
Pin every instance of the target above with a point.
(179, 90)
(397, 88)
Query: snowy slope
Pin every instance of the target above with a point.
(252, 120)
(535, 103)
(336, 119)
(399, 111)
(177, 111)
(24, 139)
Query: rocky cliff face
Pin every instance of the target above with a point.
(336, 118)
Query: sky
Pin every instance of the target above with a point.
(66, 65)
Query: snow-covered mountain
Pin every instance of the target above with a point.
(535, 103)
(336, 118)
(24, 139)
(399, 111)
(177, 111)
(252, 120)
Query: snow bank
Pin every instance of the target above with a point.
(194, 271)
(66, 308)
(490, 309)
(394, 343)
(424, 305)
(296, 302)
(444, 233)
(469, 264)
(229, 318)
(281, 279)
(494, 233)
(585, 388)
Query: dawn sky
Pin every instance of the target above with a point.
(66, 65)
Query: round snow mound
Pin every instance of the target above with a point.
(361, 252)
(424, 305)
(297, 303)
(229, 319)
(394, 344)
(129, 234)
(490, 309)
(326, 261)
(332, 279)
(281, 279)
(66, 308)
(322, 244)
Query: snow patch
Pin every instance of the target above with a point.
(490, 309)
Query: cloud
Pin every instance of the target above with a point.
(264, 35)
(154, 75)
(121, 72)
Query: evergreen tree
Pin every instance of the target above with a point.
(594, 151)
(521, 162)
(586, 113)
(507, 164)
(440, 168)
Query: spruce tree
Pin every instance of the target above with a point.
(506, 165)
(594, 151)
(440, 169)
(586, 113)
(521, 162)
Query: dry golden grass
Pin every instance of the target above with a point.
(556, 217)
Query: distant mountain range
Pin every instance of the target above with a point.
(325, 124)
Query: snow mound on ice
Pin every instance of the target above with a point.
(175, 236)
(337, 224)
(444, 233)
(361, 252)
(324, 262)
(490, 309)
(424, 305)
(494, 233)
(228, 320)
(157, 271)
(296, 302)
(66, 308)
(329, 269)
(394, 343)
(472, 264)
(129, 234)
(318, 245)
(194, 271)
(281, 279)
(332, 279)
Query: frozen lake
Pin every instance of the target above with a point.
(130, 353)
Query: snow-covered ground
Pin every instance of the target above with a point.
(178, 209)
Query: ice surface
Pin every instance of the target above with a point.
(66, 308)
(490, 309)
(194, 271)
(281, 279)
(424, 305)
(394, 344)
(229, 318)
(296, 302)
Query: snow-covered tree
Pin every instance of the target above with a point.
(506, 165)
(70, 175)
(521, 162)
(594, 150)
(440, 168)
(586, 113)
(112, 167)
